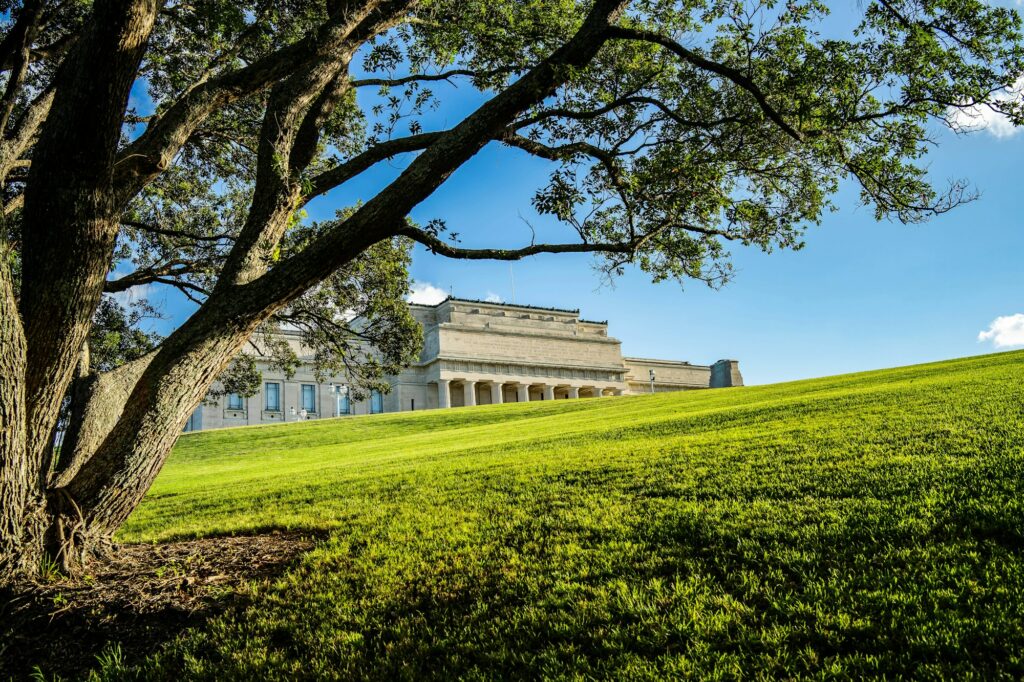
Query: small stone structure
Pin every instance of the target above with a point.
(477, 353)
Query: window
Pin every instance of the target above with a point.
(272, 391)
(376, 402)
(309, 397)
(344, 406)
(235, 402)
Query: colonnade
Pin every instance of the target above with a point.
(522, 391)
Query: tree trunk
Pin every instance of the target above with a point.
(70, 215)
(95, 496)
(21, 500)
(69, 225)
(97, 404)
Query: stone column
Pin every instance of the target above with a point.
(323, 402)
(598, 392)
(443, 396)
(616, 391)
(549, 392)
(523, 393)
(574, 391)
(496, 393)
(469, 387)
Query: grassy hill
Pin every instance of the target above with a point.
(870, 524)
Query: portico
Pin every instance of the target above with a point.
(480, 353)
(467, 392)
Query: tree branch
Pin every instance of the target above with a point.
(621, 102)
(290, 135)
(172, 268)
(153, 151)
(382, 216)
(338, 175)
(14, 204)
(734, 75)
(183, 287)
(424, 77)
(20, 50)
(559, 153)
(16, 144)
(344, 172)
(37, 54)
(155, 229)
(604, 157)
(443, 248)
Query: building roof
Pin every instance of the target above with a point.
(475, 301)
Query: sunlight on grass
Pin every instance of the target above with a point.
(868, 524)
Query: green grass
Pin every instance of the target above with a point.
(863, 525)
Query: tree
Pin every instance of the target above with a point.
(671, 128)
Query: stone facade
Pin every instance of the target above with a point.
(478, 353)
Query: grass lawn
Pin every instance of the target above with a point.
(862, 525)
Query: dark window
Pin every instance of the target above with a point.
(272, 392)
(309, 397)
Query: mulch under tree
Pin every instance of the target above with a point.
(139, 599)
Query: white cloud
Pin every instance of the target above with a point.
(1005, 331)
(492, 297)
(426, 293)
(983, 118)
(129, 296)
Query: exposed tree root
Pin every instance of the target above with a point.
(139, 597)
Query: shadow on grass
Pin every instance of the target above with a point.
(690, 593)
(135, 603)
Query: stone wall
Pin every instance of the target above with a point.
(669, 375)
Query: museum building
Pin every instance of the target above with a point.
(475, 353)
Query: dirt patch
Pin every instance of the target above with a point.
(140, 599)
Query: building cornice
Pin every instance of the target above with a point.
(525, 332)
(665, 363)
(520, 363)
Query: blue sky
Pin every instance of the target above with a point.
(860, 295)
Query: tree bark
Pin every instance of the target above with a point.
(70, 218)
(110, 484)
(20, 487)
(69, 225)
(97, 404)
